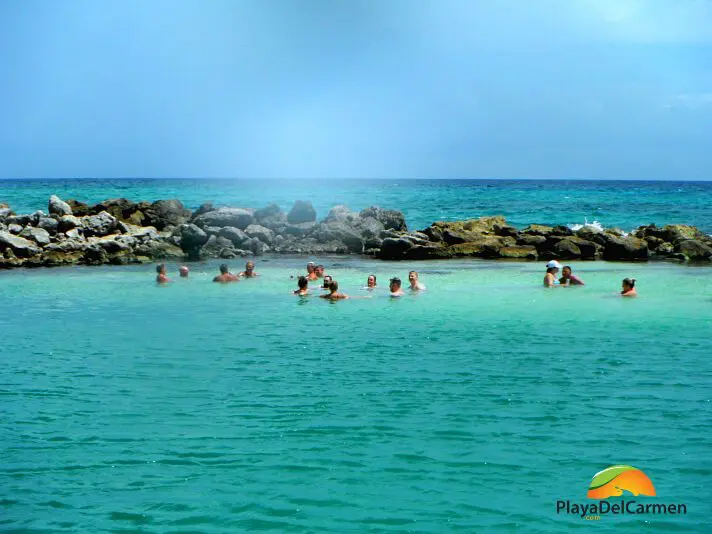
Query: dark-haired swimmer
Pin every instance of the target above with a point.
(371, 281)
(162, 277)
(628, 287)
(568, 278)
(225, 275)
(395, 287)
(327, 281)
(334, 292)
(303, 286)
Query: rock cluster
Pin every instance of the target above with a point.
(119, 231)
(492, 237)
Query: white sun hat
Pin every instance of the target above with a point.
(553, 263)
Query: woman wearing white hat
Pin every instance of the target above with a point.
(550, 278)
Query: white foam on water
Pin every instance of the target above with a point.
(595, 225)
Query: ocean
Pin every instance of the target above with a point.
(474, 406)
(626, 205)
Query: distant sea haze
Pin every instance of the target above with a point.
(623, 204)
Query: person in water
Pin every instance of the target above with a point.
(415, 285)
(319, 270)
(334, 292)
(371, 281)
(311, 271)
(628, 287)
(327, 281)
(184, 271)
(568, 278)
(225, 275)
(249, 271)
(161, 277)
(395, 288)
(552, 269)
(303, 286)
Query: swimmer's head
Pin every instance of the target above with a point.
(310, 267)
(302, 282)
(566, 271)
(249, 266)
(553, 266)
(327, 280)
(371, 282)
(628, 283)
(224, 268)
(319, 269)
(160, 269)
(184, 271)
(412, 275)
(333, 286)
(395, 284)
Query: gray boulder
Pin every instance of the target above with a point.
(301, 229)
(301, 212)
(164, 213)
(342, 233)
(237, 217)
(265, 235)
(340, 213)
(58, 207)
(394, 249)
(49, 224)
(236, 236)
(22, 220)
(391, 219)
(75, 233)
(20, 246)
(192, 238)
(625, 248)
(14, 228)
(371, 228)
(566, 249)
(694, 250)
(268, 212)
(100, 225)
(67, 222)
(5, 213)
(38, 235)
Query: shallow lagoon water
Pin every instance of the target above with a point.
(473, 406)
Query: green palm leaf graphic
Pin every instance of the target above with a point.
(604, 477)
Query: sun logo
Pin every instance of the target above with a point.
(614, 480)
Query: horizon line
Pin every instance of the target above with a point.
(221, 178)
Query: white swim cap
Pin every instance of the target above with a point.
(553, 263)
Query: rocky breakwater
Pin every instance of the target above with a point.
(492, 237)
(119, 231)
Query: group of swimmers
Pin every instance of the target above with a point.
(224, 277)
(316, 272)
(569, 279)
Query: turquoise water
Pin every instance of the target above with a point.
(473, 407)
(623, 204)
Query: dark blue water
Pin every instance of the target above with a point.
(612, 203)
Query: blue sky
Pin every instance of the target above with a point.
(618, 89)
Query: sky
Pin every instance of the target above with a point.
(541, 89)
